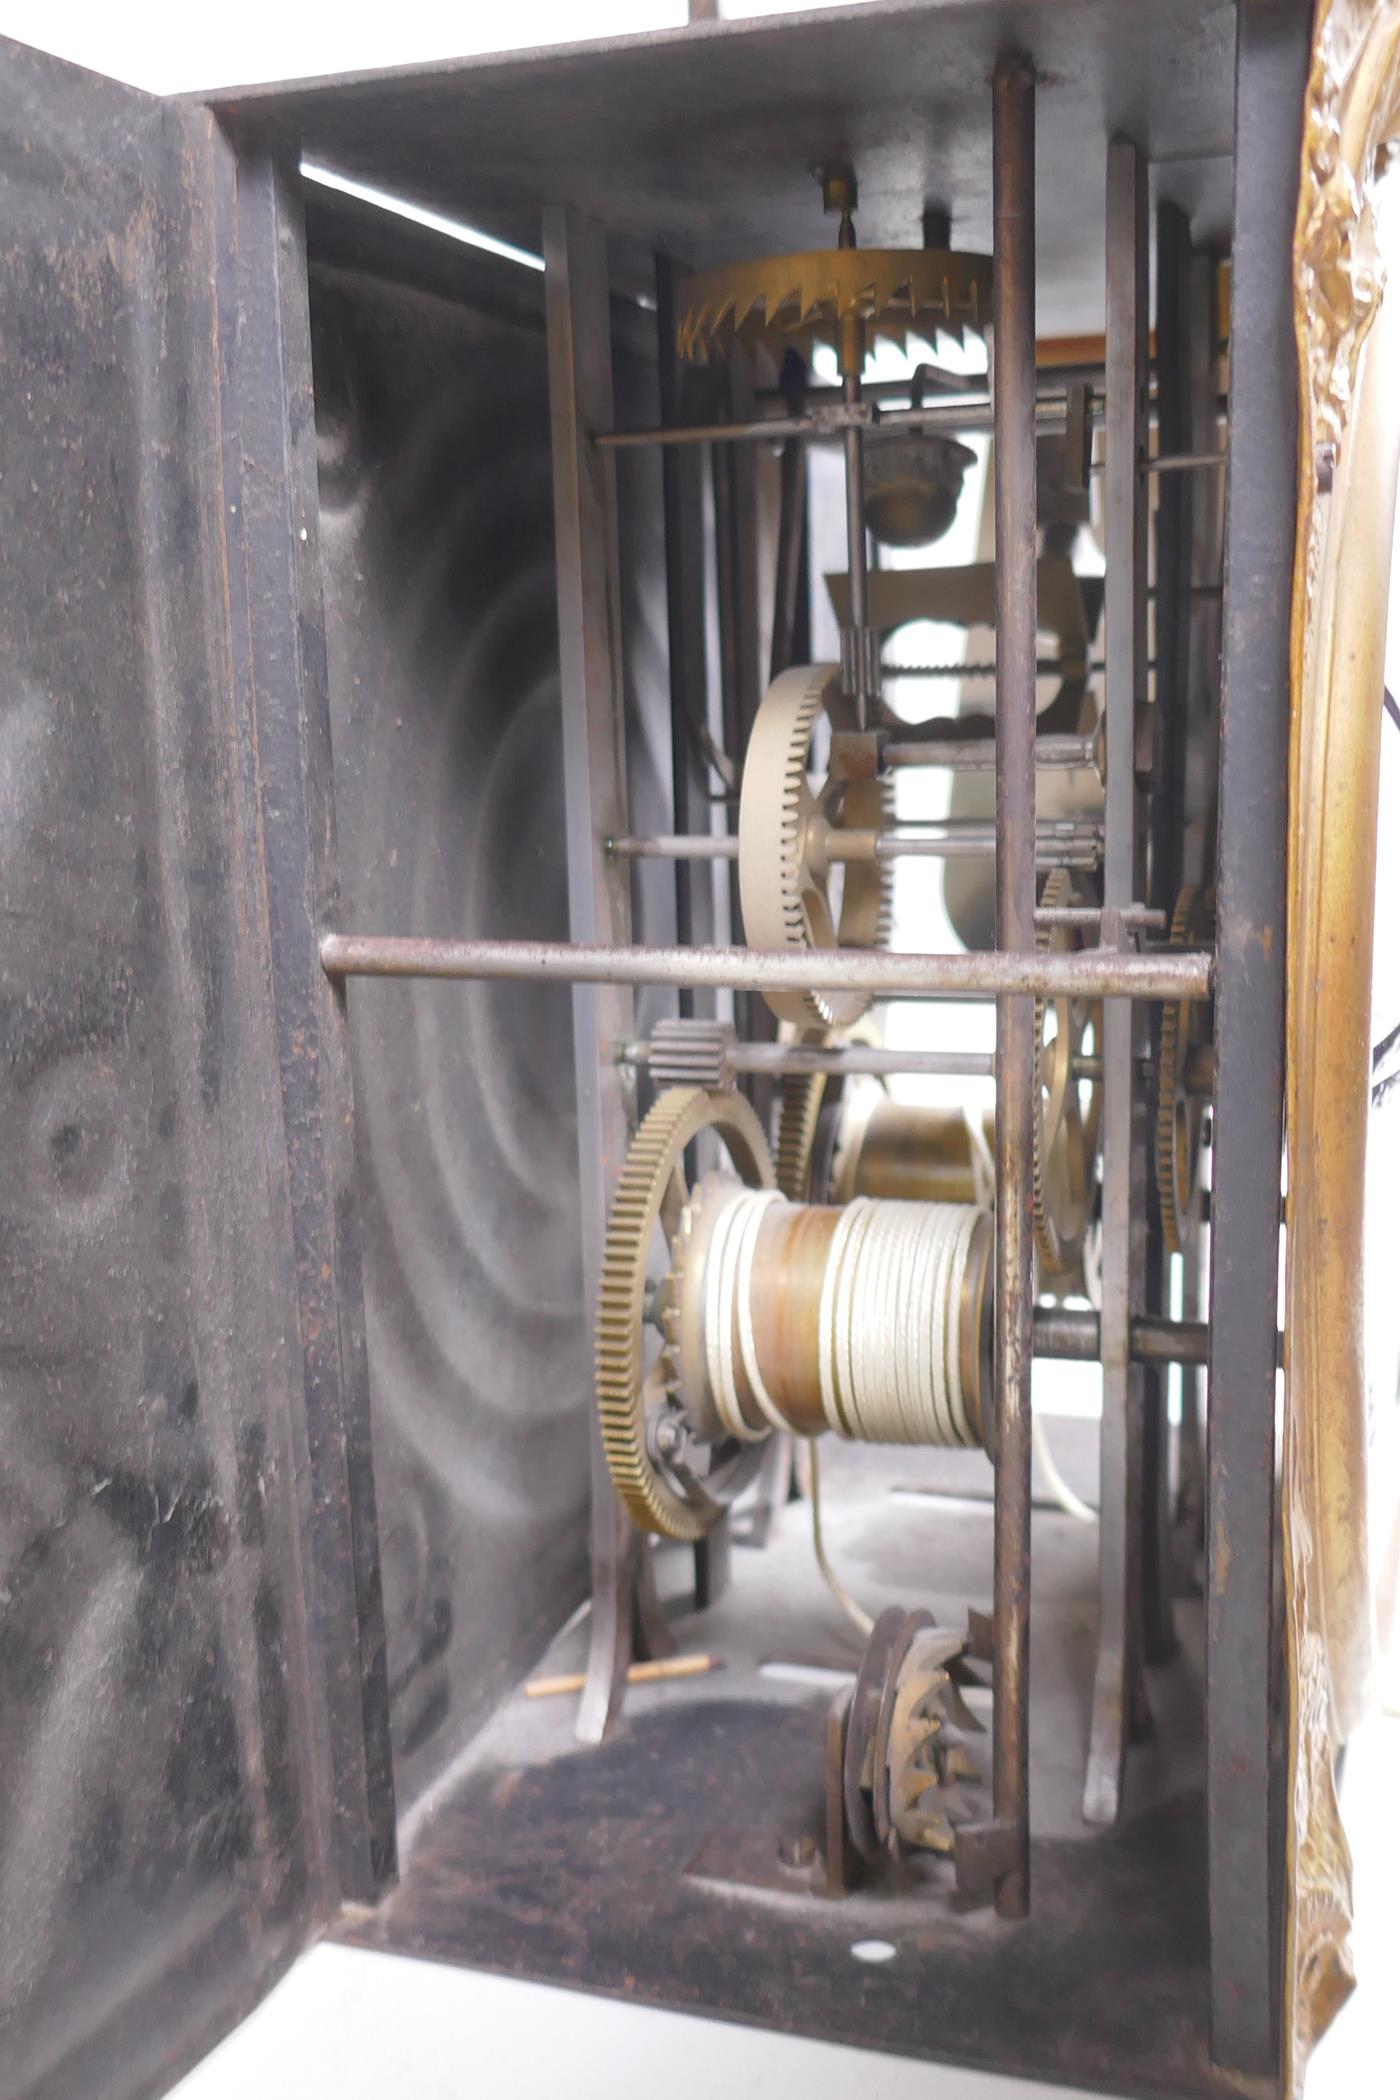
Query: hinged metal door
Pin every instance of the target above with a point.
(193, 1713)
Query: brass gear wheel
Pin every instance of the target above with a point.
(784, 873)
(796, 301)
(803, 1097)
(800, 1098)
(651, 1193)
(1186, 1025)
(1064, 1132)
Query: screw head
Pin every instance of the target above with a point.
(797, 1848)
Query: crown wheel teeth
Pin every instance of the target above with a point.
(802, 299)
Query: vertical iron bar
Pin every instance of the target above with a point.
(1178, 495)
(792, 541)
(1013, 352)
(683, 514)
(859, 669)
(1117, 1688)
(590, 683)
(1203, 692)
(278, 660)
(732, 474)
(1243, 1804)
(684, 526)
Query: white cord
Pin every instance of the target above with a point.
(861, 1620)
(1055, 1480)
(889, 1356)
(984, 1167)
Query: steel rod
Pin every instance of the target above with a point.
(860, 659)
(832, 422)
(978, 754)
(829, 417)
(1137, 918)
(1091, 973)
(1074, 1336)
(1060, 842)
(1052, 381)
(1173, 462)
(854, 1060)
(1117, 1674)
(579, 349)
(1013, 351)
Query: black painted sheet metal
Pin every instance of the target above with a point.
(701, 140)
(1243, 1797)
(437, 549)
(178, 1511)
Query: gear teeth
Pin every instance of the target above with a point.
(778, 886)
(884, 910)
(789, 299)
(692, 1053)
(1058, 1238)
(1193, 921)
(676, 1119)
(800, 1098)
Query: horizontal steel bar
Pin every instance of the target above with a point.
(829, 422)
(1045, 667)
(978, 754)
(855, 1060)
(1059, 843)
(831, 416)
(1140, 918)
(940, 386)
(1053, 849)
(1174, 462)
(847, 845)
(670, 845)
(1074, 1337)
(1091, 973)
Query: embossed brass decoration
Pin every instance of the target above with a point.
(1349, 442)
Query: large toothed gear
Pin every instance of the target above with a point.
(785, 873)
(1186, 1026)
(1065, 1122)
(795, 301)
(651, 1197)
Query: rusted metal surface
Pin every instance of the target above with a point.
(193, 1710)
(1086, 974)
(685, 550)
(1059, 1331)
(600, 903)
(656, 1877)
(1013, 349)
(1242, 1649)
(1123, 1127)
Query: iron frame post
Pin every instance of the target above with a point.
(1117, 1690)
(579, 344)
